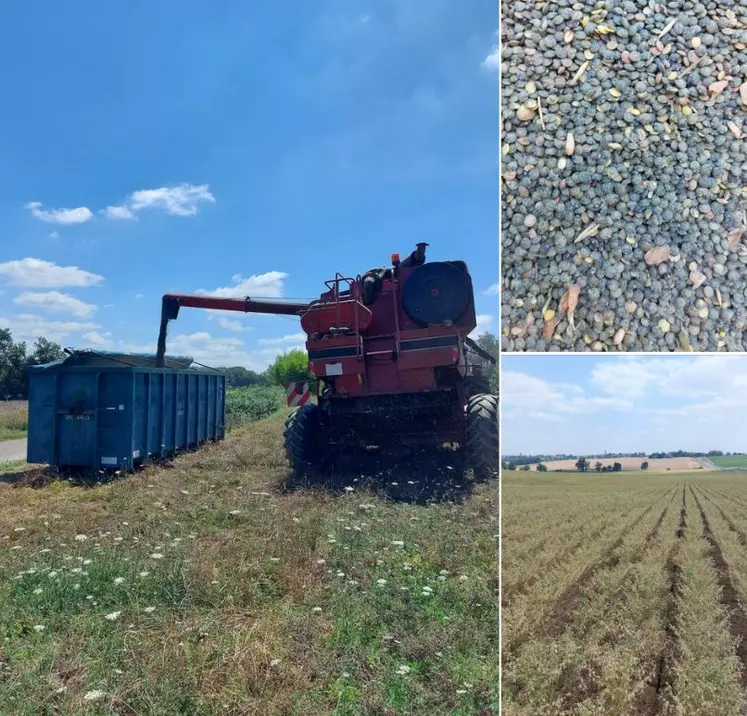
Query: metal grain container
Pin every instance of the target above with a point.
(109, 411)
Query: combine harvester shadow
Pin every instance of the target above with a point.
(421, 477)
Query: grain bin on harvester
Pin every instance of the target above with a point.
(393, 362)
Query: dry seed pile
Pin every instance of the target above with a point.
(624, 175)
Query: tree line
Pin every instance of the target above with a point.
(288, 367)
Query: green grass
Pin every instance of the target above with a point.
(729, 460)
(267, 599)
(13, 419)
(245, 405)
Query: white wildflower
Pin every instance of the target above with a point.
(345, 675)
(321, 561)
(39, 627)
(316, 610)
(349, 489)
(398, 543)
(340, 574)
(87, 561)
(296, 520)
(403, 670)
(149, 610)
(94, 695)
(45, 550)
(76, 586)
(113, 616)
(143, 574)
(463, 577)
(274, 559)
(80, 538)
(19, 529)
(76, 570)
(38, 590)
(156, 555)
(184, 492)
(274, 662)
(461, 691)
(119, 580)
(381, 582)
(235, 512)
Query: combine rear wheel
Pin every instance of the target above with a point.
(304, 443)
(482, 435)
(476, 384)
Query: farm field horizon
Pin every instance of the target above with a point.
(632, 464)
(622, 594)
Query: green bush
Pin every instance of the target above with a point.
(245, 405)
(290, 367)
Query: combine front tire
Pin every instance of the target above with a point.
(482, 435)
(302, 444)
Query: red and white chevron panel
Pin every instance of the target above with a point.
(297, 393)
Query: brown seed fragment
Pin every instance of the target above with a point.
(697, 278)
(657, 255)
(549, 327)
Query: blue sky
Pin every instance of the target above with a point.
(588, 404)
(253, 147)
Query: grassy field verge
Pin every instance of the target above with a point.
(624, 595)
(13, 419)
(245, 405)
(729, 460)
(215, 585)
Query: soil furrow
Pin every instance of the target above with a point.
(524, 585)
(741, 536)
(559, 617)
(729, 594)
(653, 698)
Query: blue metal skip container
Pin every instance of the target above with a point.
(113, 411)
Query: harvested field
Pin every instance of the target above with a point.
(13, 419)
(624, 594)
(216, 585)
(632, 463)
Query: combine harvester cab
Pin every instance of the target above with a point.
(392, 360)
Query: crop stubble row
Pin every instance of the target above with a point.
(659, 694)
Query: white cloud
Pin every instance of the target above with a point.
(230, 325)
(268, 285)
(680, 377)
(60, 216)
(138, 295)
(492, 59)
(294, 339)
(182, 200)
(484, 321)
(118, 212)
(30, 272)
(493, 290)
(28, 327)
(56, 302)
(562, 399)
(94, 339)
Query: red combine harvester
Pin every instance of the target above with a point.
(391, 354)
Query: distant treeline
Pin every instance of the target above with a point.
(519, 460)
(533, 459)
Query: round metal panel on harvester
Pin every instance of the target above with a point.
(436, 292)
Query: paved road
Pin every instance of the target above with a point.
(12, 450)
